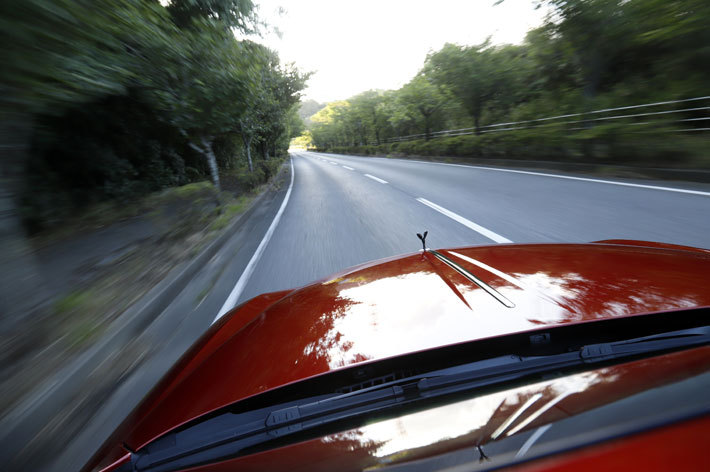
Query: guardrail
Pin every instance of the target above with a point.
(588, 118)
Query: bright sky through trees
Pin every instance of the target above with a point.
(381, 44)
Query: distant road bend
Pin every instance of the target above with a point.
(345, 210)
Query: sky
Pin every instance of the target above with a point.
(353, 46)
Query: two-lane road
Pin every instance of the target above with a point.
(346, 210)
(335, 211)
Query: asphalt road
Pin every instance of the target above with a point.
(337, 211)
(339, 214)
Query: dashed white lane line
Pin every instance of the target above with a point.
(376, 178)
(334, 163)
(244, 278)
(468, 223)
(349, 168)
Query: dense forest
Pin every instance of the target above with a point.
(105, 101)
(587, 57)
(112, 99)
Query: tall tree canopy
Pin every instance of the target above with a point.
(145, 95)
(587, 55)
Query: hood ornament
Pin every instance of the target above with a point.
(423, 239)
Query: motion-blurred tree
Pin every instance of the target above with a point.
(55, 54)
(237, 14)
(470, 73)
(420, 96)
(182, 64)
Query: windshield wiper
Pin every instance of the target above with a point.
(229, 434)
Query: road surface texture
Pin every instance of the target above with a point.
(337, 211)
(346, 210)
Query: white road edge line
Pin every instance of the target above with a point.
(376, 178)
(569, 177)
(468, 223)
(244, 278)
(349, 168)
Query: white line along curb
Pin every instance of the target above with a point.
(244, 278)
(569, 177)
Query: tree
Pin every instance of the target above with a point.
(597, 31)
(309, 108)
(237, 14)
(180, 63)
(330, 127)
(421, 97)
(208, 92)
(55, 54)
(469, 73)
(280, 88)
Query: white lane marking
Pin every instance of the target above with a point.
(468, 223)
(583, 179)
(349, 168)
(531, 440)
(376, 178)
(244, 278)
(334, 163)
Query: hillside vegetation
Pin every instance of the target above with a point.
(589, 55)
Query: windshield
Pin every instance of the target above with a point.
(503, 425)
(281, 417)
(206, 200)
(525, 423)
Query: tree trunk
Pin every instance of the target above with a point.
(247, 146)
(207, 151)
(211, 162)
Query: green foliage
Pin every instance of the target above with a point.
(307, 109)
(229, 211)
(57, 53)
(238, 14)
(588, 55)
(126, 97)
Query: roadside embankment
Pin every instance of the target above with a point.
(108, 279)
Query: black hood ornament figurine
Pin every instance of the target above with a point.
(423, 239)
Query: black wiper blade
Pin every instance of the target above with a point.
(589, 353)
(229, 434)
(654, 343)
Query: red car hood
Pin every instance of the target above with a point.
(412, 303)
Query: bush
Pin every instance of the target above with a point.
(250, 180)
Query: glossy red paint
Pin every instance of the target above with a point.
(408, 304)
(683, 446)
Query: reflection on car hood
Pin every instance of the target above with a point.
(417, 302)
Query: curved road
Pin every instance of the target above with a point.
(346, 210)
(343, 210)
